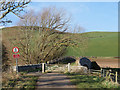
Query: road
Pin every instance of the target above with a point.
(54, 80)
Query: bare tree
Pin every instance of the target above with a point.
(50, 46)
(50, 40)
(27, 32)
(14, 6)
(22, 40)
(29, 21)
(53, 19)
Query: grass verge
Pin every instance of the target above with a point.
(23, 81)
(89, 81)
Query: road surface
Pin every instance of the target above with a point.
(54, 80)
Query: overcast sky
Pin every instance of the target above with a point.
(93, 16)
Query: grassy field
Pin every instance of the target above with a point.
(102, 44)
(88, 81)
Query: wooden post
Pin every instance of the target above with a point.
(101, 72)
(43, 67)
(68, 67)
(89, 71)
(16, 66)
(116, 77)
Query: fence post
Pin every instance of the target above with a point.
(116, 77)
(68, 67)
(89, 71)
(43, 67)
(101, 72)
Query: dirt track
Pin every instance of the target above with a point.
(54, 80)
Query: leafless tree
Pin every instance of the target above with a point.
(53, 19)
(50, 40)
(13, 6)
(27, 32)
(29, 21)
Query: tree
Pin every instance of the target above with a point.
(25, 39)
(49, 39)
(10, 6)
(54, 19)
(29, 21)
(23, 42)
(14, 6)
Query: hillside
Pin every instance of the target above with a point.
(103, 44)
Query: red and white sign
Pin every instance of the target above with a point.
(16, 56)
(15, 50)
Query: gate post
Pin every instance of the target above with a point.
(68, 67)
(89, 71)
(116, 77)
(43, 67)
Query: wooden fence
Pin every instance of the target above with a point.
(108, 74)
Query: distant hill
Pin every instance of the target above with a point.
(103, 44)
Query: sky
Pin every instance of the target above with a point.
(92, 16)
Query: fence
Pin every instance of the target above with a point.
(43, 67)
(32, 67)
(97, 72)
(57, 67)
(39, 67)
(107, 73)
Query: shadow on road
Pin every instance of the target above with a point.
(54, 80)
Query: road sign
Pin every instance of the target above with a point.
(16, 56)
(15, 50)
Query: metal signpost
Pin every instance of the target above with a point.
(16, 50)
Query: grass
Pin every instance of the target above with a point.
(103, 44)
(73, 64)
(88, 81)
(22, 81)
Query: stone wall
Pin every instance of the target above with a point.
(79, 69)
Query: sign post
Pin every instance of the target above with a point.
(16, 66)
(16, 50)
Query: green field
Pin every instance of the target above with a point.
(103, 44)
